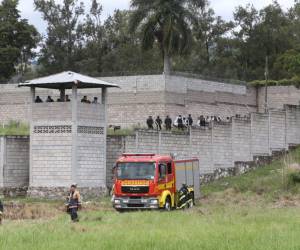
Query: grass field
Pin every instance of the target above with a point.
(259, 210)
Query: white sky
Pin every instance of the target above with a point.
(222, 8)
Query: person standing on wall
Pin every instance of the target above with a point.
(168, 123)
(74, 203)
(158, 123)
(150, 122)
(190, 120)
(180, 122)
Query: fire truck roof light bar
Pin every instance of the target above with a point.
(130, 155)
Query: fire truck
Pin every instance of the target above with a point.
(150, 181)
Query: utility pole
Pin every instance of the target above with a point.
(266, 83)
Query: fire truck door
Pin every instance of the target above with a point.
(170, 176)
(162, 170)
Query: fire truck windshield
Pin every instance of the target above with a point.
(136, 171)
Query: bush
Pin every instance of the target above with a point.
(295, 81)
(294, 177)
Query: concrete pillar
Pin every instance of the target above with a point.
(251, 135)
(269, 132)
(104, 102)
(2, 160)
(212, 146)
(74, 132)
(159, 142)
(62, 93)
(232, 141)
(286, 128)
(31, 128)
(136, 141)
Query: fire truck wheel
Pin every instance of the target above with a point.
(168, 205)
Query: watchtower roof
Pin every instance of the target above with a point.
(66, 80)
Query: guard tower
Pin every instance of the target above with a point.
(67, 138)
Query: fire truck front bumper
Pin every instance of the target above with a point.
(135, 203)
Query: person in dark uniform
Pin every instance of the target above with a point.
(49, 99)
(150, 122)
(158, 123)
(38, 100)
(1, 211)
(168, 123)
(85, 100)
(180, 122)
(202, 121)
(95, 101)
(67, 98)
(74, 203)
(190, 120)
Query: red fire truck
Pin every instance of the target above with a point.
(149, 181)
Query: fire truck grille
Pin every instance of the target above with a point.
(135, 189)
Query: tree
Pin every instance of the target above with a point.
(17, 40)
(122, 53)
(64, 34)
(164, 21)
(263, 35)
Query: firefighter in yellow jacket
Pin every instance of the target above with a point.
(74, 203)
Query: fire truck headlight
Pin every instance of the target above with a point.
(117, 201)
(125, 200)
(154, 202)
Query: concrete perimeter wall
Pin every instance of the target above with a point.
(219, 146)
(144, 95)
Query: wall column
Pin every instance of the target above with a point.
(74, 132)
(269, 132)
(104, 102)
(2, 160)
(31, 128)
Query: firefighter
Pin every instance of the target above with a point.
(1, 212)
(150, 122)
(74, 203)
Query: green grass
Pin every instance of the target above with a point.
(270, 181)
(14, 128)
(256, 211)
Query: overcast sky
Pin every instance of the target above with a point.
(222, 8)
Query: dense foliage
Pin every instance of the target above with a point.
(17, 39)
(156, 36)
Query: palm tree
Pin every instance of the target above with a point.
(164, 21)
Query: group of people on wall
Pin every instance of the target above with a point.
(181, 122)
(84, 99)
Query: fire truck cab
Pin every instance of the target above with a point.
(149, 181)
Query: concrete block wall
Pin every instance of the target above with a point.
(222, 146)
(260, 134)
(278, 130)
(278, 96)
(292, 124)
(51, 164)
(55, 111)
(91, 156)
(14, 161)
(141, 96)
(218, 146)
(241, 140)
